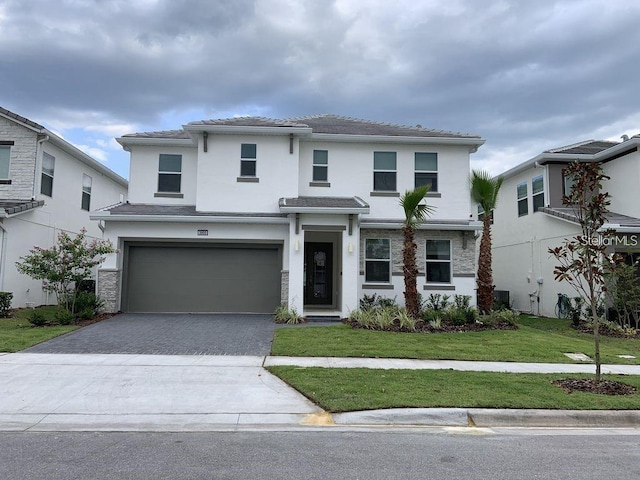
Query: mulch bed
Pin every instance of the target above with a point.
(98, 318)
(425, 327)
(604, 331)
(589, 385)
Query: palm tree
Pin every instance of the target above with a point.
(415, 212)
(484, 191)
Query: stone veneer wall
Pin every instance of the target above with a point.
(463, 255)
(284, 287)
(109, 289)
(22, 160)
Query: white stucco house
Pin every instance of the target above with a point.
(242, 214)
(46, 185)
(530, 218)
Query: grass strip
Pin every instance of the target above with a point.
(537, 340)
(16, 333)
(346, 389)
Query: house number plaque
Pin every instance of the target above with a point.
(203, 233)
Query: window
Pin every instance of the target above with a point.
(523, 206)
(5, 159)
(248, 160)
(438, 261)
(567, 183)
(48, 167)
(86, 192)
(537, 188)
(320, 166)
(169, 173)
(426, 170)
(377, 260)
(384, 171)
(480, 213)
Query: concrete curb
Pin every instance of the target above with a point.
(484, 417)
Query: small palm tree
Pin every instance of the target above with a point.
(415, 212)
(484, 191)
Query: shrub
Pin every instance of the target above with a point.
(86, 285)
(385, 302)
(501, 316)
(462, 301)
(63, 317)
(385, 316)
(5, 303)
(37, 318)
(431, 315)
(283, 314)
(437, 301)
(407, 323)
(87, 304)
(455, 316)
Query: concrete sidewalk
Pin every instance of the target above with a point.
(471, 366)
(72, 392)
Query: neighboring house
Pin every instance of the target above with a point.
(242, 214)
(46, 185)
(530, 218)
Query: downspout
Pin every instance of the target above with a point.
(3, 255)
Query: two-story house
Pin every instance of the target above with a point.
(530, 218)
(242, 214)
(46, 185)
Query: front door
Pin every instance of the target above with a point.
(318, 267)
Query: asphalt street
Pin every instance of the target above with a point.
(450, 454)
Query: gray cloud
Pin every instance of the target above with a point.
(525, 75)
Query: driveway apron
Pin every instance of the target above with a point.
(169, 334)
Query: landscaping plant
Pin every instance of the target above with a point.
(415, 212)
(65, 265)
(5, 303)
(484, 191)
(583, 260)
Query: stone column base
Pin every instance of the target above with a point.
(108, 287)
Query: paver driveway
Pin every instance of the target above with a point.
(169, 334)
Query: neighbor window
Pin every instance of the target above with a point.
(537, 189)
(248, 160)
(86, 192)
(384, 171)
(5, 158)
(480, 213)
(426, 170)
(377, 260)
(568, 181)
(46, 180)
(320, 166)
(169, 173)
(523, 206)
(438, 261)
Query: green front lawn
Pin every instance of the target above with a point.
(537, 340)
(16, 333)
(345, 389)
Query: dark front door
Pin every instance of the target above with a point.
(318, 266)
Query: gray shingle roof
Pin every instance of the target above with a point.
(589, 147)
(323, 202)
(614, 218)
(327, 124)
(11, 207)
(177, 210)
(15, 116)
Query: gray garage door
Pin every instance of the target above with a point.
(239, 278)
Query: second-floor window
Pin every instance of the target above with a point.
(48, 169)
(377, 260)
(320, 166)
(537, 189)
(384, 171)
(5, 161)
(438, 261)
(248, 155)
(169, 173)
(523, 206)
(86, 192)
(426, 170)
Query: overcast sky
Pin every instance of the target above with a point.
(526, 75)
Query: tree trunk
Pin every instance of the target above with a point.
(410, 272)
(596, 337)
(485, 274)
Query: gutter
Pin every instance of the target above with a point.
(386, 224)
(107, 217)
